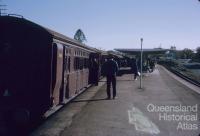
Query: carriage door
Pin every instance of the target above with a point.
(57, 72)
(65, 76)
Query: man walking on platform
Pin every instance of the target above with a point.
(110, 69)
(134, 68)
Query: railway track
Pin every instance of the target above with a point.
(192, 81)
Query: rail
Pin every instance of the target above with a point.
(192, 81)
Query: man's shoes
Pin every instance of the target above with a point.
(115, 97)
(108, 98)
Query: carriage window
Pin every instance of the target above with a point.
(86, 63)
(76, 63)
(65, 63)
(81, 63)
(69, 61)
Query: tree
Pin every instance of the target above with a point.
(197, 55)
(186, 53)
(80, 36)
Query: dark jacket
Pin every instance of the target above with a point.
(134, 66)
(110, 67)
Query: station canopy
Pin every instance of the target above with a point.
(135, 52)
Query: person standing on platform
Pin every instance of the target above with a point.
(110, 69)
(152, 65)
(95, 71)
(134, 68)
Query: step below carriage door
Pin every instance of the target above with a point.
(57, 75)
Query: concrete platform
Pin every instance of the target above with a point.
(164, 107)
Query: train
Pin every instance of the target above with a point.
(40, 68)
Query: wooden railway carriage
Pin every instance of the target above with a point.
(39, 68)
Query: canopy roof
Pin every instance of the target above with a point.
(145, 51)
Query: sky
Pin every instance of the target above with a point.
(109, 24)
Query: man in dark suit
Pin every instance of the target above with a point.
(134, 68)
(110, 69)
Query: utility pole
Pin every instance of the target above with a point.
(141, 52)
